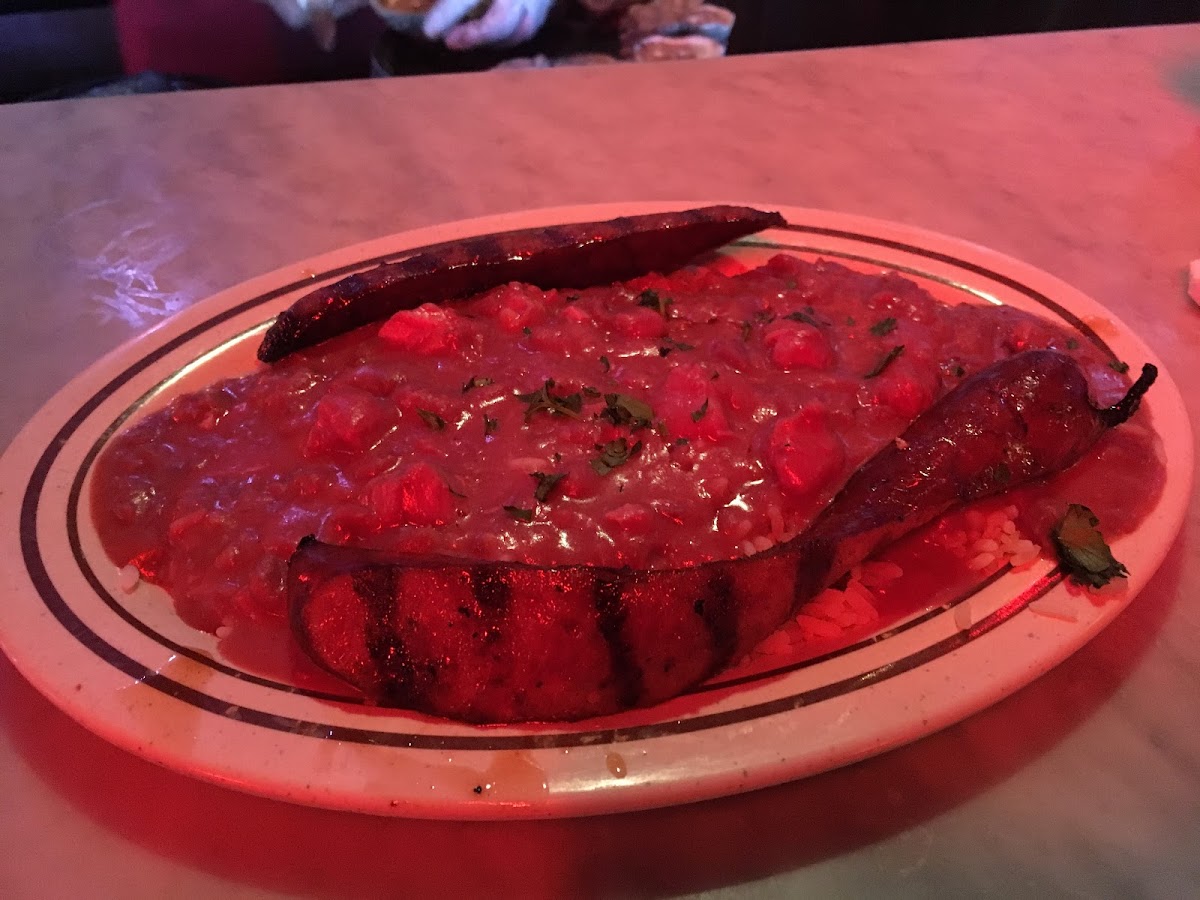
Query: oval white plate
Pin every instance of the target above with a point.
(124, 666)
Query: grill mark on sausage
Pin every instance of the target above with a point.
(376, 586)
(814, 559)
(492, 591)
(719, 610)
(609, 601)
(485, 247)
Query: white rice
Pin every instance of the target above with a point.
(1055, 607)
(989, 541)
(833, 612)
(775, 517)
(984, 541)
(128, 578)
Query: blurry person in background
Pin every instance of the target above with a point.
(693, 28)
(244, 41)
(262, 41)
(461, 25)
(541, 33)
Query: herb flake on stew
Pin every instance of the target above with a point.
(489, 425)
(613, 454)
(605, 364)
(887, 359)
(700, 413)
(519, 512)
(1084, 555)
(669, 344)
(1117, 366)
(556, 404)
(545, 484)
(621, 409)
(883, 327)
(1072, 344)
(476, 381)
(655, 300)
(806, 317)
(432, 419)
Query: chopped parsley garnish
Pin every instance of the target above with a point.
(571, 298)
(621, 409)
(655, 300)
(476, 381)
(850, 320)
(1117, 366)
(489, 425)
(613, 454)
(700, 413)
(605, 364)
(519, 512)
(670, 344)
(887, 359)
(1084, 555)
(958, 371)
(544, 399)
(545, 484)
(806, 315)
(432, 419)
(883, 327)
(1072, 344)
(527, 331)
(589, 391)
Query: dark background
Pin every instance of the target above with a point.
(765, 25)
(59, 48)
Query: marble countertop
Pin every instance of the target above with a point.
(1078, 153)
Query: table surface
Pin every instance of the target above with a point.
(1079, 153)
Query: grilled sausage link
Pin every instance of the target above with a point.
(563, 256)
